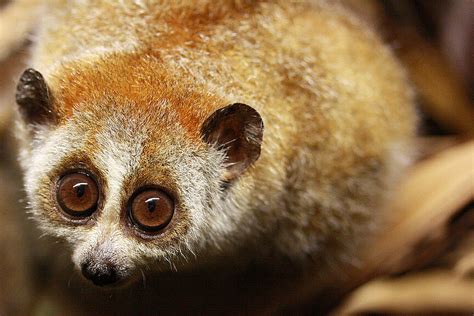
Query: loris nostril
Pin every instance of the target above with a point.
(100, 274)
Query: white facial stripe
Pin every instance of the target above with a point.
(120, 146)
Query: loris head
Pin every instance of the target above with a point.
(133, 172)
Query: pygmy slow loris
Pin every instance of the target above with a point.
(170, 135)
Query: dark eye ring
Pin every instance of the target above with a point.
(150, 209)
(77, 194)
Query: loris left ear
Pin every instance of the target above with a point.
(238, 130)
(33, 98)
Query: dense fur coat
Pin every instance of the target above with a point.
(130, 85)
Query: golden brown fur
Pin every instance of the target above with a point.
(135, 80)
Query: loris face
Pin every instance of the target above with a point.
(128, 186)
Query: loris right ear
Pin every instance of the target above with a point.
(236, 129)
(34, 99)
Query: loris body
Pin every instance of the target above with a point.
(166, 136)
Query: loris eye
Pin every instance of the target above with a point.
(77, 194)
(151, 209)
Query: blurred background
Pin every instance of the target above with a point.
(423, 262)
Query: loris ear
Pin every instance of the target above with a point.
(33, 98)
(238, 130)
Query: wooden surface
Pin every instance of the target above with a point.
(424, 259)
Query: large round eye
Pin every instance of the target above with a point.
(151, 209)
(77, 194)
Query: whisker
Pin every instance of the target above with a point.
(143, 278)
(73, 273)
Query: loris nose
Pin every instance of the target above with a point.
(99, 273)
